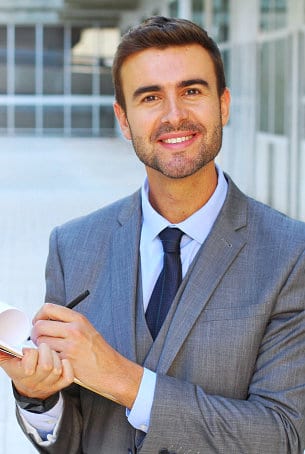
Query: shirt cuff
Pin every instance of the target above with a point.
(139, 415)
(44, 426)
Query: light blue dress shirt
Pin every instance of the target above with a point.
(196, 228)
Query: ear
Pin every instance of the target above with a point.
(122, 119)
(225, 101)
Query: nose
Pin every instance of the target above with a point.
(174, 111)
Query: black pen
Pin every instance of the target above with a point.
(74, 302)
(78, 299)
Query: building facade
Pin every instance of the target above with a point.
(55, 72)
(55, 79)
(263, 46)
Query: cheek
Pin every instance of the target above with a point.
(141, 125)
(209, 116)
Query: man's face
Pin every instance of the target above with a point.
(174, 115)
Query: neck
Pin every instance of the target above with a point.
(178, 199)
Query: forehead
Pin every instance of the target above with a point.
(167, 66)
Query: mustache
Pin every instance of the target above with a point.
(185, 125)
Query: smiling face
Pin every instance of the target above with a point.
(174, 115)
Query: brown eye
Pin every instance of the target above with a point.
(150, 98)
(192, 91)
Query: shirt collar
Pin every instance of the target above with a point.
(198, 225)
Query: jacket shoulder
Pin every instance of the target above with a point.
(102, 220)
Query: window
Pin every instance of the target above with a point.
(53, 60)
(302, 82)
(198, 12)
(107, 123)
(53, 119)
(81, 119)
(25, 119)
(274, 56)
(226, 58)
(221, 20)
(173, 8)
(273, 14)
(65, 71)
(3, 118)
(25, 60)
(82, 60)
(3, 60)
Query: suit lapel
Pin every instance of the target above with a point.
(124, 251)
(214, 258)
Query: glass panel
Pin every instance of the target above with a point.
(3, 117)
(302, 80)
(81, 119)
(107, 122)
(221, 20)
(273, 14)
(264, 87)
(280, 86)
(82, 60)
(25, 60)
(197, 12)
(108, 40)
(53, 118)
(25, 118)
(226, 63)
(106, 86)
(53, 60)
(173, 8)
(92, 54)
(273, 86)
(3, 60)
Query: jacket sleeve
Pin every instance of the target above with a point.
(68, 439)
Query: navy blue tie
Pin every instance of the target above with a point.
(168, 281)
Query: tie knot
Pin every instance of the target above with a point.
(171, 238)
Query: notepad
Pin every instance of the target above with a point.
(15, 327)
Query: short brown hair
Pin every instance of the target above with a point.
(161, 32)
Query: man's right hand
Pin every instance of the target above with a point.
(39, 373)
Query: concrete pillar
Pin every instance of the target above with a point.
(295, 13)
(239, 156)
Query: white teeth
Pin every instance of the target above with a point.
(178, 139)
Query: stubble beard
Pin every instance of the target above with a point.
(180, 166)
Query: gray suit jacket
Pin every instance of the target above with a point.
(230, 357)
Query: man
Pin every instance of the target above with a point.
(222, 369)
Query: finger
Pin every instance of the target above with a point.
(51, 368)
(56, 344)
(4, 357)
(51, 311)
(67, 371)
(57, 364)
(61, 376)
(10, 365)
(56, 382)
(48, 368)
(29, 361)
(48, 328)
(45, 359)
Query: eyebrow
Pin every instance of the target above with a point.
(154, 88)
(146, 89)
(187, 83)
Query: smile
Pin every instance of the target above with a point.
(178, 139)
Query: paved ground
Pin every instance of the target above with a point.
(45, 182)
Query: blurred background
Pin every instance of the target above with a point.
(61, 153)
